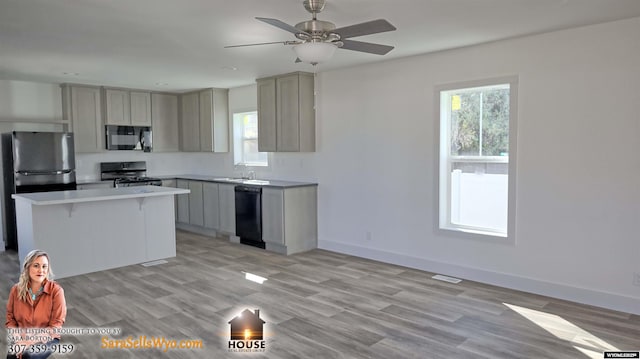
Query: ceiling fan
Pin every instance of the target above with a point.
(317, 40)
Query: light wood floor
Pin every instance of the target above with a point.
(322, 304)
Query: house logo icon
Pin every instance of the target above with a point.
(246, 332)
(247, 326)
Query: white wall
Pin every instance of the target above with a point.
(22, 101)
(578, 182)
(158, 164)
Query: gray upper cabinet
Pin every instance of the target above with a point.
(127, 108)
(286, 113)
(140, 108)
(214, 120)
(117, 107)
(190, 122)
(205, 121)
(82, 108)
(267, 115)
(164, 122)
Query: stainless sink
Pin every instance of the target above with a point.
(241, 180)
(229, 179)
(255, 182)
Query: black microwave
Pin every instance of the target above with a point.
(136, 138)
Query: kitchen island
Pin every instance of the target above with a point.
(92, 230)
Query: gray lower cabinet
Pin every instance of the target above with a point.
(289, 219)
(227, 201)
(196, 214)
(211, 205)
(273, 216)
(169, 183)
(96, 185)
(289, 215)
(183, 202)
(172, 183)
(190, 206)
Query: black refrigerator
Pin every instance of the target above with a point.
(34, 162)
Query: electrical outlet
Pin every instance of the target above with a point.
(636, 279)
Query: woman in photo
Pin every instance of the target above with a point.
(36, 308)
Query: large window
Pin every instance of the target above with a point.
(477, 145)
(245, 134)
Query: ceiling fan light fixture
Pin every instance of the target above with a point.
(317, 40)
(314, 52)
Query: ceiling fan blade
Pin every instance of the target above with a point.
(265, 43)
(283, 25)
(366, 47)
(365, 28)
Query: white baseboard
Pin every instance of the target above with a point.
(555, 290)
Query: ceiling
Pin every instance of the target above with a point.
(178, 45)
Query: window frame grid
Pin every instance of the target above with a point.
(445, 165)
(242, 139)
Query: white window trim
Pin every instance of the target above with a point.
(443, 192)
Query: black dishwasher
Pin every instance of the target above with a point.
(249, 215)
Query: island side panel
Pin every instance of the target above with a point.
(24, 217)
(160, 228)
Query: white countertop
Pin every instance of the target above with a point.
(92, 195)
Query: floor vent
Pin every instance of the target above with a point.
(154, 263)
(444, 278)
